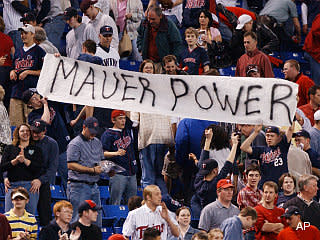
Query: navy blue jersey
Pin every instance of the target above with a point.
(89, 58)
(194, 60)
(112, 140)
(22, 61)
(191, 11)
(314, 158)
(273, 160)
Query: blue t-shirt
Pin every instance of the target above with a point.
(195, 59)
(273, 160)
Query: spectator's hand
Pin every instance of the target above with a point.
(2, 60)
(234, 138)
(24, 235)
(6, 184)
(23, 75)
(75, 234)
(57, 55)
(44, 101)
(97, 170)
(20, 157)
(13, 75)
(208, 133)
(121, 152)
(193, 158)
(257, 128)
(111, 173)
(305, 29)
(35, 186)
(164, 212)
(128, 15)
(63, 236)
(280, 227)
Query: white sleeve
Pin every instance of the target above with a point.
(304, 14)
(115, 37)
(129, 226)
(174, 221)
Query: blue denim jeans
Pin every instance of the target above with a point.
(122, 186)
(54, 30)
(315, 68)
(63, 169)
(152, 163)
(31, 206)
(79, 192)
(16, 38)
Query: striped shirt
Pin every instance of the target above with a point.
(21, 224)
(11, 17)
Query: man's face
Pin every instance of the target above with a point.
(156, 197)
(105, 40)
(246, 129)
(191, 39)
(253, 178)
(254, 74)
(90, 13)
(272, 139)
(171, 68)
(269, 195)
(19, 202)
(311, 188)
(37, 136)
(248, 26)
(315, 99)
(225, 194)
(249, 43)
(290, 72)
(249, 222)
(293, 221)
(87, 134)
(288, 185)
(27, 37)
(91, 215)
(35, 102)
(304, 141)
(65, 215)
(154, 19)
(72, 22)
(119, 122)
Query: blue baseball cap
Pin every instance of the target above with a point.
(92, 124)
(273, 129)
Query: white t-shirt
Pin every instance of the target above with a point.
(110, 59)
(141, 218)
(220, 156)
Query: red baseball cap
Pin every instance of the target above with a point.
(116, 113)
(224, 183)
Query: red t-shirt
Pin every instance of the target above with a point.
(309, 233)
(270, 215)
(5, 48)
(304, 83)
(309, 112)
(152, 46)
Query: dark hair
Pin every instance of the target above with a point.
(251, 34)
(304, 180)
(151, 233)
(156, 9)
(281, 179)
(180, 209)
(2, 25)
(134, 202)
(294, 63)
(90, 45)
(169, 58)
(200, 236)
(219, 139)
(271, 184)
(144, 62)
(249, 211)
(208, 15)
(253, 167)
(79, 19)
(313, 90)
(16, 138)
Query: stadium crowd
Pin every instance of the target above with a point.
(200, 179)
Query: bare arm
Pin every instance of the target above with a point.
(272, 227)
(79, 168)
(289, 131)
(233, 151)
(82, 113)
(297, 28)
(246, 145)
(46, 112)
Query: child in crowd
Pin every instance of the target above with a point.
(215, 234)
(193, 57)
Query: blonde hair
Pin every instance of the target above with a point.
(212, 232)
(148, 190)
(192, 30)
(2, 93)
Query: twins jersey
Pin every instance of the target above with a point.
(110, 57)
(273, 160)
(194, 60)
(143, 217)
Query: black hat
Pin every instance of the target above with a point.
(88, 205)
(106, 30)
(38, 126)
(93, 125)
(29, 16)
(69, 13)
(207, 166)
(27, 95)
(171, 204)
(290, 211)
(301, 133)
(85, 4)
(251, 68)
(273, 129)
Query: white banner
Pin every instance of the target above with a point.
(227, 99)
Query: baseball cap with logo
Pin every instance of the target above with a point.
(242, 20)
(301, 133)
(38, 126)
(27, 95)
(273, 129)
(85, 4)
(224, 183)
(88, 205)
(290, 211)
(27, 28)
(316, 115)
(93, 125)
(29, 16)
(207, 166)
(251, 68)
(106, 30)
(116, 113)
(69, 13)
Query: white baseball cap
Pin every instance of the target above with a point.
(27, 28)
(18, 194)
(317, 115)
(242, 20)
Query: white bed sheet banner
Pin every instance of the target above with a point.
(268, 101)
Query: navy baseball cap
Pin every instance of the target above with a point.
(88, 205)
(171, 204)
(106, 30)
(85, 4)
(289, 211)
(29, 16)
(38, 126)
(93, 125)
(207, 166)
(69, 13)
(273, 129)
(27, 95)
(301, 133)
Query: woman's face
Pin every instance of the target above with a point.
(203, 20)
(184, 217)
(288, 185)
(148, 68)
(24, 133)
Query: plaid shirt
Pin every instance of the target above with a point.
(248, 197)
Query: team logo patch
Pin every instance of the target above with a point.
(31, 151)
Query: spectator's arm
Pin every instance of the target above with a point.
(246, 145)
(273, 42)
(297, 27)
(304, 16)
(272, 227)
(45, 9)
(46, 112)
(19, 7)
(79, 168)
(289, 131)
(53, 164)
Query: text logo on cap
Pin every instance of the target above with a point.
(37, 124)
(204, 165)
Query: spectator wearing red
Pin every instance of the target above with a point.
(291, 70)
(310, 108)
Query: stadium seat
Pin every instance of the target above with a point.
(229, 71)
(278, 73)
(120, 212)
(104, 194)
(106, 233)
(2, 191)
(2, 206)
(298, 56)
(57, 193)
